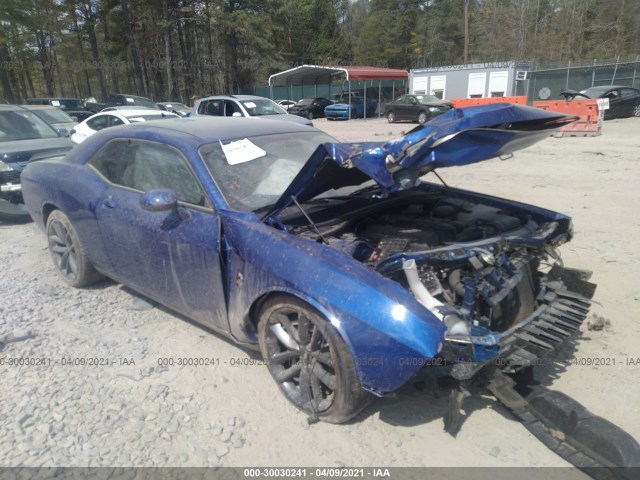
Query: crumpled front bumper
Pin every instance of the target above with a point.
(563, 301)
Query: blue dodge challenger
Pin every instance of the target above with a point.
(348, 271)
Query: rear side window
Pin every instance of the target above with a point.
(212, 107)
(142, 165)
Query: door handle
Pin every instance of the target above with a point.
(109, 202)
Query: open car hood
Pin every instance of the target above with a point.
(458, 137)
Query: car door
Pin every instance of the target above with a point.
(628, 101)
(404, 108)
(171, 256)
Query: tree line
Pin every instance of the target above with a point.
(173, 49)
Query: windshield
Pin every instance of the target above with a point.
(426, 99)
(594, 92)
(176, 106)
(23, 125)
(68, 104)
(53, 115)
(252, 173)
(262, 106)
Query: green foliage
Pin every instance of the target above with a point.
(83, 47)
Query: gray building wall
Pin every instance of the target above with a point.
(478, 80)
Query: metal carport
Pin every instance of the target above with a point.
(320, 74)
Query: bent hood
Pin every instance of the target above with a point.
(458, 137)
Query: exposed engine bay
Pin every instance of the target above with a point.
(473, 265)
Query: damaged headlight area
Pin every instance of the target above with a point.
(490, 272)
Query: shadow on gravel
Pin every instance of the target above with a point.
(423, 402)
(417, 403)
(10, 221)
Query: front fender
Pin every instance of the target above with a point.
(385, 328)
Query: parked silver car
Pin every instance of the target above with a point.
(244, 106)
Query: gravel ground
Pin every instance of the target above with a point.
(97, 381)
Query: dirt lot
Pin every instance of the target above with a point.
(128, 409)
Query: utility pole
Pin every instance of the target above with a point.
(465, 59)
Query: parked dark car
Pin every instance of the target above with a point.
(74, 107)
(24, 138)
(416, 108)
(623, 101)
(234, 223)
(310, 107)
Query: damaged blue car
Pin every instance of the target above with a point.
(349, 271)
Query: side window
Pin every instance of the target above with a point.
(627, 92)
(99, 123)
(230, 108)
(143, 165)
(115, 121)
(211, 107)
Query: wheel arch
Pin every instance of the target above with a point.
(253, 316)
(47, 209)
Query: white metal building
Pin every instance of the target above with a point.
(478, 80)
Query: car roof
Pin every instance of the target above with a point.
(11, 107)
(235, 97)
(40, 107)
(210, 129)
(129, 108)
(54, 98)
(605, 88)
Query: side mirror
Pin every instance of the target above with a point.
(62, 132)
(161, 200)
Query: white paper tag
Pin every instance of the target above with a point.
(241, 151)
(55, 103)
(130, 100)
(250, 105)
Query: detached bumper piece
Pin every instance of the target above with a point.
(591, 443)
(561, 312)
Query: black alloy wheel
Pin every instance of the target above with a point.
(67, 252)
(309, 360)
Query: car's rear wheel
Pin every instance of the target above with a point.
(636, 110)
(309, 360)
(422, 118)
(391, 117)
(67, 252)
(310, 115)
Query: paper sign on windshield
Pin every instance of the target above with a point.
(241, 151)
(55, 103)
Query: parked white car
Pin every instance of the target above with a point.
(116, 116)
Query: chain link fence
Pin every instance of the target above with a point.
(547, 81)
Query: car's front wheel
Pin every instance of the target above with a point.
(309, 360)
(391, 117)
(422, 118)
(67, 252)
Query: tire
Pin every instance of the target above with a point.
(315, 373)
(391, 117)
(310, 116)
(636, 110)
(67, 252)
(422, 118)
